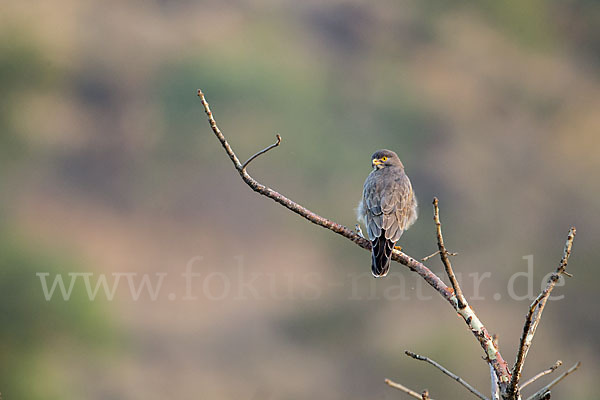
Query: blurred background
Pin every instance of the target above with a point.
(108, 166)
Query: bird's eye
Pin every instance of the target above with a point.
(384, 158)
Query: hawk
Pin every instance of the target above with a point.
(388, 207)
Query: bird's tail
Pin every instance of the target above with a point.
(381, 255)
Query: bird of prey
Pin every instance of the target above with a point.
(388, 208)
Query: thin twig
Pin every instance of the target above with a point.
(543, 373)
(447, 372)
(539, 395)
(475, 325)
(430, 256)
(403, 388)
(435, 254)
(444, 256)
(534, 314)
(263, 151)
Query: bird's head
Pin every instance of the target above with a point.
(385, 158)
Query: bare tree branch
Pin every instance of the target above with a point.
(406, 390)
(535, 314)
(447, 372)
(543, 373)
(464, 310)
(462, 303)
(507, 382)
(545, 391)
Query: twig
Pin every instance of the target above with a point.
(435, 254)
(448, 373)
(444, 256)
(534, 315)
(430, 256)
(263, 151)
(539, 395)
(403, 388)
(475, 325)
(543, 373)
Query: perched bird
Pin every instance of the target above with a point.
(388, 208)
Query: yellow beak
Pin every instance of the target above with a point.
(377, 162)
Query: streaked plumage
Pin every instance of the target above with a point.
(388, 208)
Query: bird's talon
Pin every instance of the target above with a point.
(399, 248)
(359, 231)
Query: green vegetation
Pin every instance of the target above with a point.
(35, 332)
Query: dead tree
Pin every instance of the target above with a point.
(505, 381)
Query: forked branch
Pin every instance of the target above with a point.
(477, 328)
(507, 382)
(534, 314)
